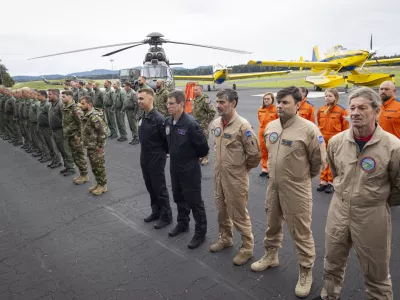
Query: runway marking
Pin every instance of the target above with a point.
(311, 95)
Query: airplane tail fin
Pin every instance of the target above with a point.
(315, 54)
(301, 59)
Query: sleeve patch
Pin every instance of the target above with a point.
(320, 139)
(248, 133)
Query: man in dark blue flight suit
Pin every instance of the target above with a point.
(153, 157)
(187, 143)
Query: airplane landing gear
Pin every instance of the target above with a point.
(317, 88)
(234, 86)
(346, 89)
(209, 88)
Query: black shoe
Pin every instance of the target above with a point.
(161, 224)
(196, 241)
(49, 165)
(17, 143)
(36, 154)
(63, 171)
(122, 139)
(45, 159)
(263, 174)
(329, 189)
(178, 229)
(113, 136)
(151, 218)
(321, 187)
(135, 142)
(56, 165)
(69, 172)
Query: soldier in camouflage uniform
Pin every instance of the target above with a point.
(89, 90)
(160, 100)
(71, 123)
(131, 107)
(204, 112)
(118, 99)
(17, 134)
(94, 134)
(109, 109)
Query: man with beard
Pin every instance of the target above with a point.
(161, 98)
(389, 118)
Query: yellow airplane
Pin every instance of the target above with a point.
(339, 60)
(220, 75)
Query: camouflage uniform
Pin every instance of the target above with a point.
(94, 135)
(204, 112)
(130, 106)
(160, 101)
(109, 110)
(118, 100)
(71, 123)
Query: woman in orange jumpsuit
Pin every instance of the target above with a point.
(331, 120)
(266, 114)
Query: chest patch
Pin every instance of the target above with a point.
(217, 131)
(368, 164)
(167, 130)
(181, 131)
(273, 137)
(287, 143)
(227, 135)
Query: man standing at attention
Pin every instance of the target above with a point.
(161, 98)
(109, 109)
(297, 153)
(94, 134)
(389, 118)
(204, 112)
(131, 107)
(236, 152)
(118, 100)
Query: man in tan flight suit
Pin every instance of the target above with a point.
(236, 152)
(296, 154)
(364, 161)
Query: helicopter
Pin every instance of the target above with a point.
(156, 65)
(67, 81)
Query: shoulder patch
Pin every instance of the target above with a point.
(320, 139)
(207, 100)
(309, 103)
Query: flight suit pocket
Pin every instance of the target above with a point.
(390, 115)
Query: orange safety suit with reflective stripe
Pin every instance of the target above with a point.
(359, 216)
(307, 110)
(389, 118)
(331, 124)
(265, 115)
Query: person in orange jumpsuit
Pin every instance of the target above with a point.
(389, 118)
(306, 110)
(331, 120)
(266, 114)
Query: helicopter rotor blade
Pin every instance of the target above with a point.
(86, 49)
(206, 46)
(175, 64)
(370, 43)
(119, 50)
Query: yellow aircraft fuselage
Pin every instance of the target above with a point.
(220, 75)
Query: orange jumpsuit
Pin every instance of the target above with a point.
(389, 118)
(307, 110)
(331, 124)
(265, 115)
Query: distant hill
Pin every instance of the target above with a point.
(86, 74)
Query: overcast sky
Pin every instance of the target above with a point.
(284, 29)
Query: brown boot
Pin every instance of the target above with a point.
(91, 189)
(81, 179)
(242, 257)
(100, 190)
(220, 245)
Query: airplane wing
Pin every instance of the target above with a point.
(195, 77)
(257, 75)
(388, 61)
(304, 64)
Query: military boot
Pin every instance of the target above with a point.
(95, 186)
(220, 245)
(204, 162)
(100, 190)
(81, 179)
(242, 257)
(304, 283)
(269, 260)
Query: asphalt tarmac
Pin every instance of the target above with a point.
(57, 241)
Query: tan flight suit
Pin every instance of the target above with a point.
(359, 214)
(236, 152)
(296, 154)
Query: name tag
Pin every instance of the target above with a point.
(227, 135)
(286, 143)
(181, 131)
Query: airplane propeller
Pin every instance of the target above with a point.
(371, 53)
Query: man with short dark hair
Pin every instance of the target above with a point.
(55, 123)
(72, 126)
(297, 153)
(131, 107)
(236, 152)
(89, 90)
(118, 99)
(109, 109)
(364, 161)
(187, 144)
(153, 157)
(94, 134)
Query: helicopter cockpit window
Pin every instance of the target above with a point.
(154, 71)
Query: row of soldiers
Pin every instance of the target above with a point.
(54, 130)
(116, 102)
